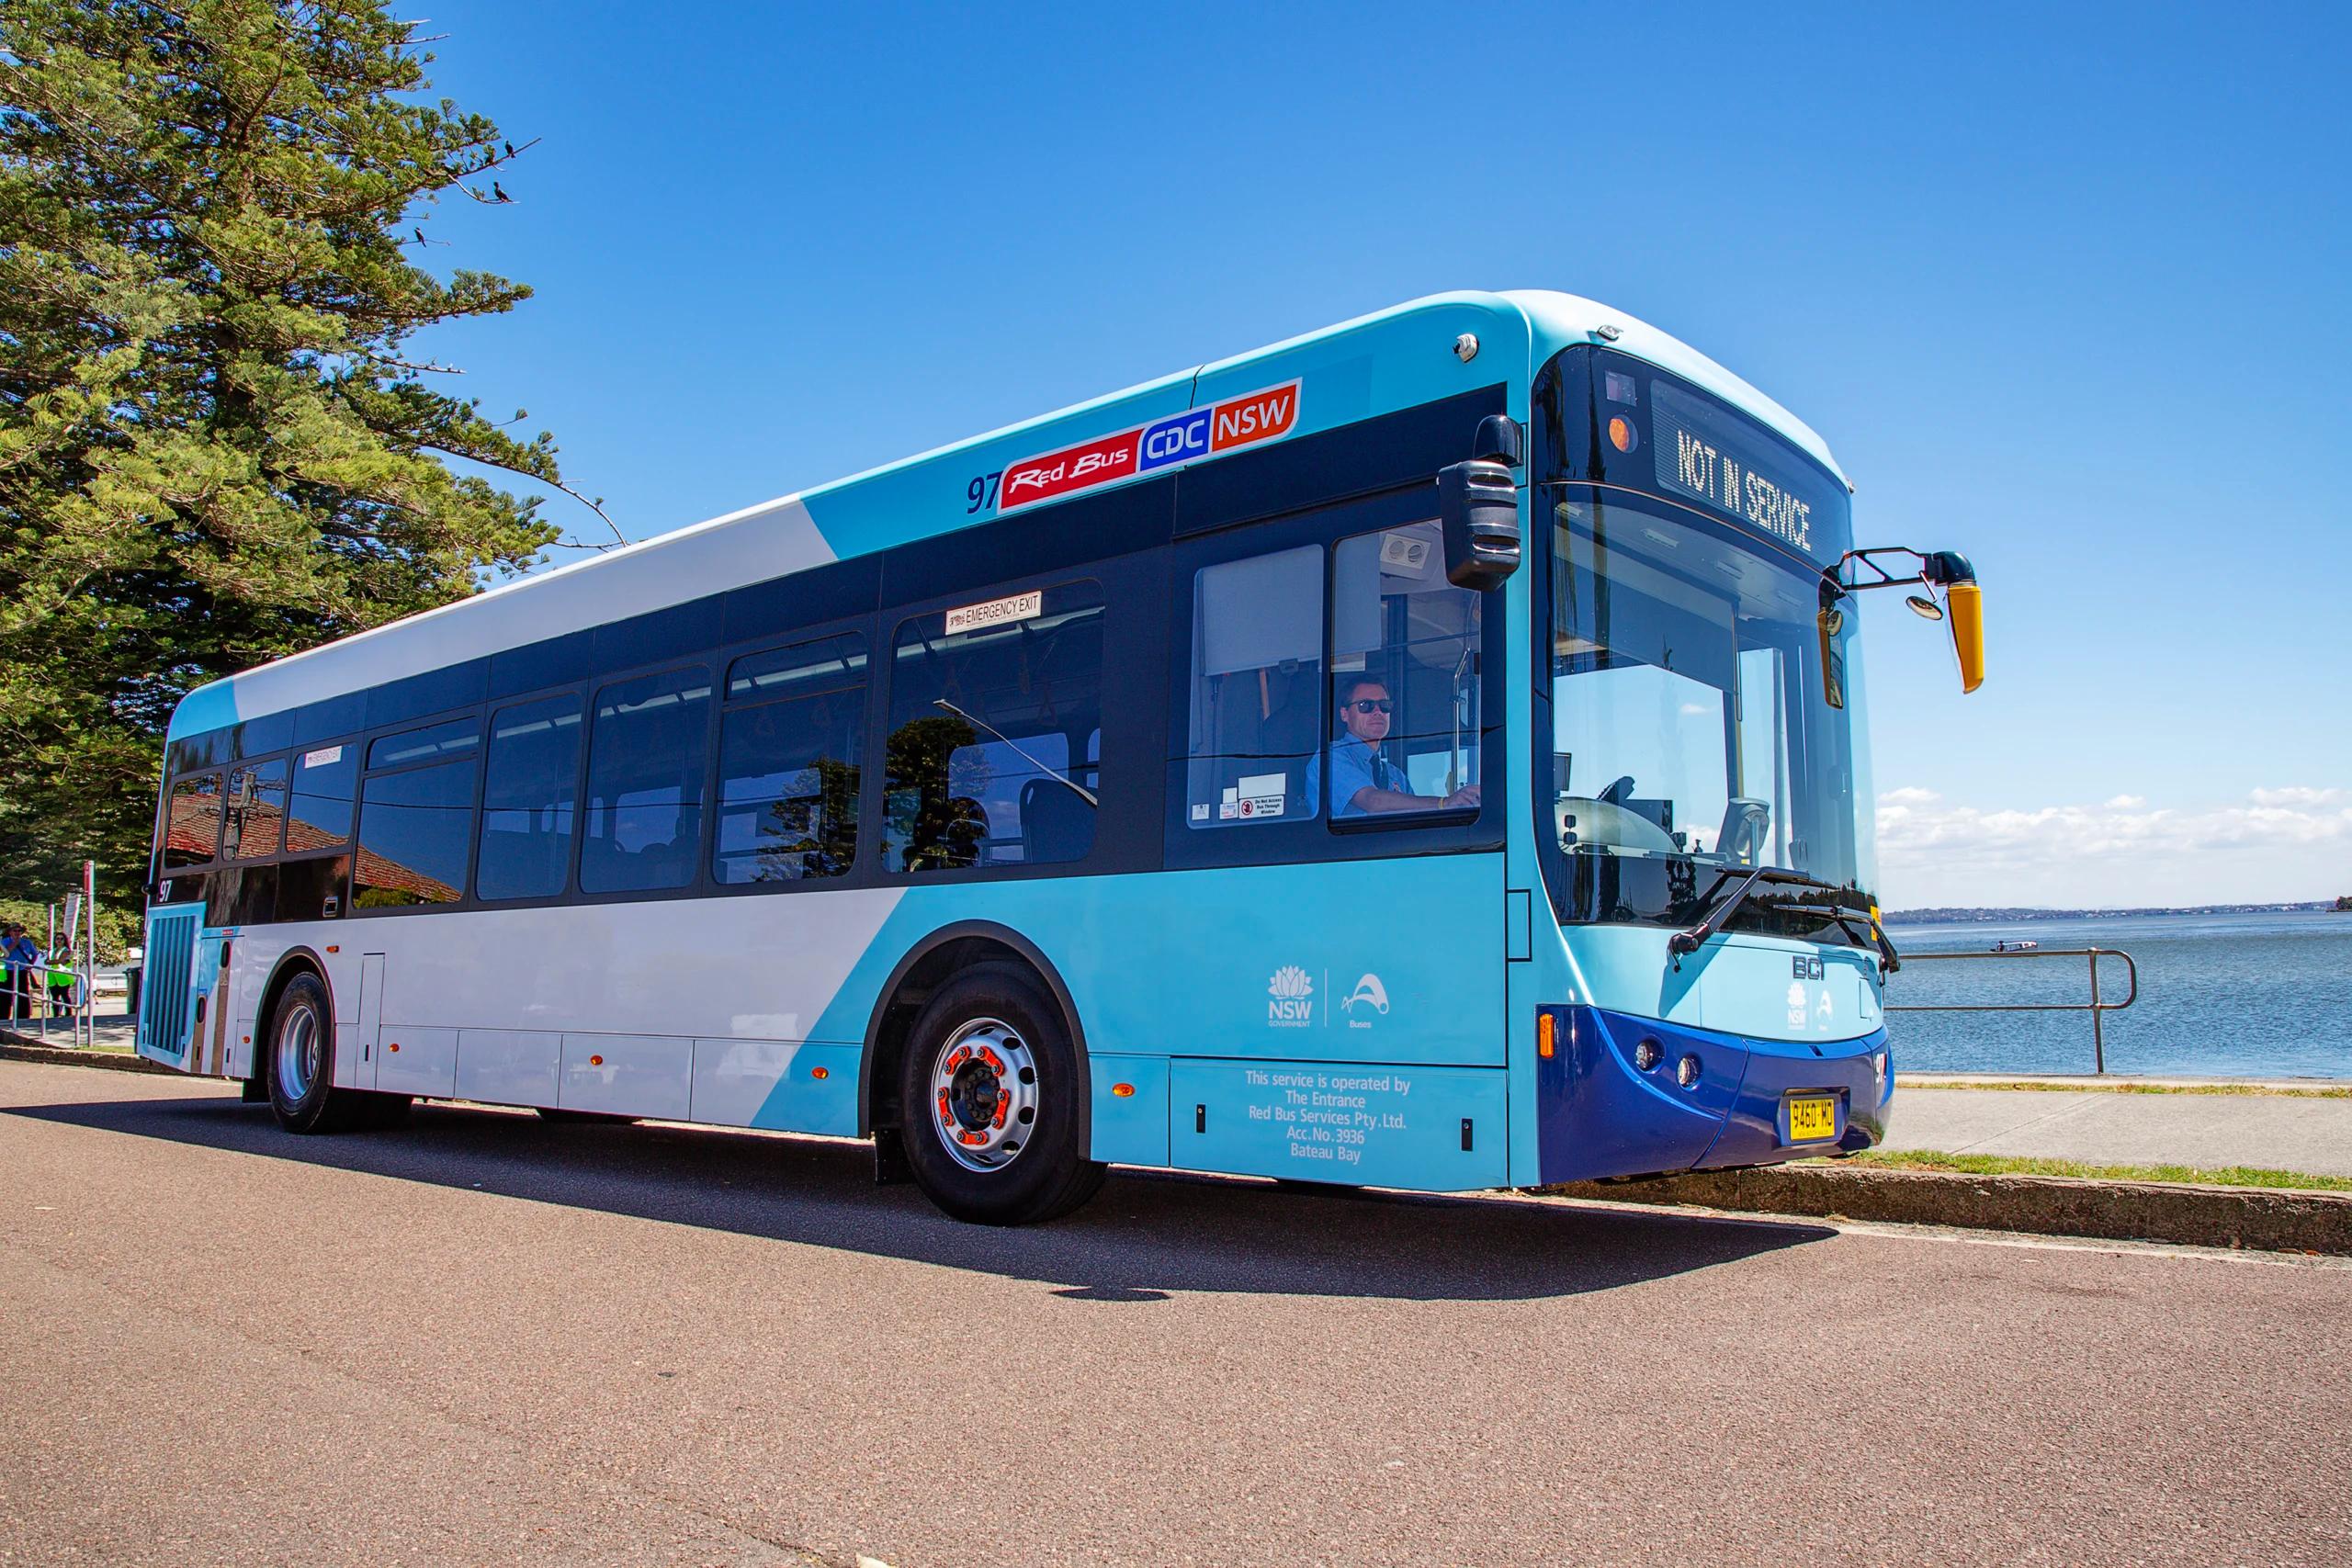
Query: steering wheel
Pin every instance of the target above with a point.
(1618, 793)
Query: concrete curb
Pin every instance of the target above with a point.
(15, 1047)
(2262, 1218)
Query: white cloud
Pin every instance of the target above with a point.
(2302, 795)
(2287, 843)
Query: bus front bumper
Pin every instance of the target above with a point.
(1601, 1113)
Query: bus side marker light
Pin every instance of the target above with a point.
(592, 1061)
(820, 1072)
(1123, 1090)
(1548, 1030)
(395, 1045)
(334, 948)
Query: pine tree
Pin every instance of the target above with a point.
(215, 447)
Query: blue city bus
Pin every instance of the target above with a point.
(1426, 753)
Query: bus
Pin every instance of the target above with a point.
(1427, 753)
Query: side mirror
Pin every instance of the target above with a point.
(1964, 610)
(1953, 597)
(1477, 509)
(1965, 607)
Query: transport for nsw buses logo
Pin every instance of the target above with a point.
(1169, 443)
(1293, 994)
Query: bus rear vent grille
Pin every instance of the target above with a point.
(170, 970)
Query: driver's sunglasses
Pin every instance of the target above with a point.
(1373, 705)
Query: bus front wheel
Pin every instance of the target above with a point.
(990, 1087)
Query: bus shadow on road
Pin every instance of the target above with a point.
(1147, 1234)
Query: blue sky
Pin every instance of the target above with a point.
(2063, 288)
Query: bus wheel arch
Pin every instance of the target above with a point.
(293, 961)
(929, 963)
(329, 1108)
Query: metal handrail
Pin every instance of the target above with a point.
(2095, 1007)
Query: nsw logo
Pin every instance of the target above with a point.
(1294, 998)
(1260, 416)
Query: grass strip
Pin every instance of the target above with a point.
(2095, 1085)
(2009, 1164)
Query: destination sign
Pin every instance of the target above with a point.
(1703, 455)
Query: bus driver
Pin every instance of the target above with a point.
(1363, 779)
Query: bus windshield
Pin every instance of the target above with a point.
(1692, 740)
(1688, 723)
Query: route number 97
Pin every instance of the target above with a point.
(981, 493)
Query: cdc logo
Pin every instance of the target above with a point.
(1179, 439)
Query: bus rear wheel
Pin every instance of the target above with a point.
(990, 1087)
(300, 1064)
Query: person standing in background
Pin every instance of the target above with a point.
(22, 957)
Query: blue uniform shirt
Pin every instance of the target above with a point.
(1356, 766)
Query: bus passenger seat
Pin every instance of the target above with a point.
(1055, 822)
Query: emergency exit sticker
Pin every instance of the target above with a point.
(997, 612)
(1266, 415)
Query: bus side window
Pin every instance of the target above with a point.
(991, 707)
(788, 763)
(253, 828)
(321, 814)
(192, 824)
(1257, 707)
(415, 827)
(646, 761)
(1405, 674)
(529, 782)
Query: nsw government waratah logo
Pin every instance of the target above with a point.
(1293, 994)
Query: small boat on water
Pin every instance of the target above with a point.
(2016, 947)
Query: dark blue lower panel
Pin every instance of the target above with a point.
(1599, 1114)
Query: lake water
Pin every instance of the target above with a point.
(2266, 996)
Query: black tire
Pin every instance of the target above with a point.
(1047, 1174)
(566, 1118)
(298, 1061)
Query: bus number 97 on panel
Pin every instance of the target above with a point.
(981, 493)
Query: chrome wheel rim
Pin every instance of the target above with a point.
(297, 1053)
(984, 1094)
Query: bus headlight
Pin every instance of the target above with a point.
(1648, 1054)
(1686, 1071)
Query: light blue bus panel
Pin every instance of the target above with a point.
(1434, 1129)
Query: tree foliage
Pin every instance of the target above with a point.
(215, 447)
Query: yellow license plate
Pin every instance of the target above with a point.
(1811, 1120)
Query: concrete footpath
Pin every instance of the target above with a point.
(2275, 1131)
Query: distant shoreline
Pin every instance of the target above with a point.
(2020, 916)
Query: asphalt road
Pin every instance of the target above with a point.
(484, 1340)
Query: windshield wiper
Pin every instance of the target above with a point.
(1843, 920)
(1689, 941)
(1084, 794)
(1684, 942)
